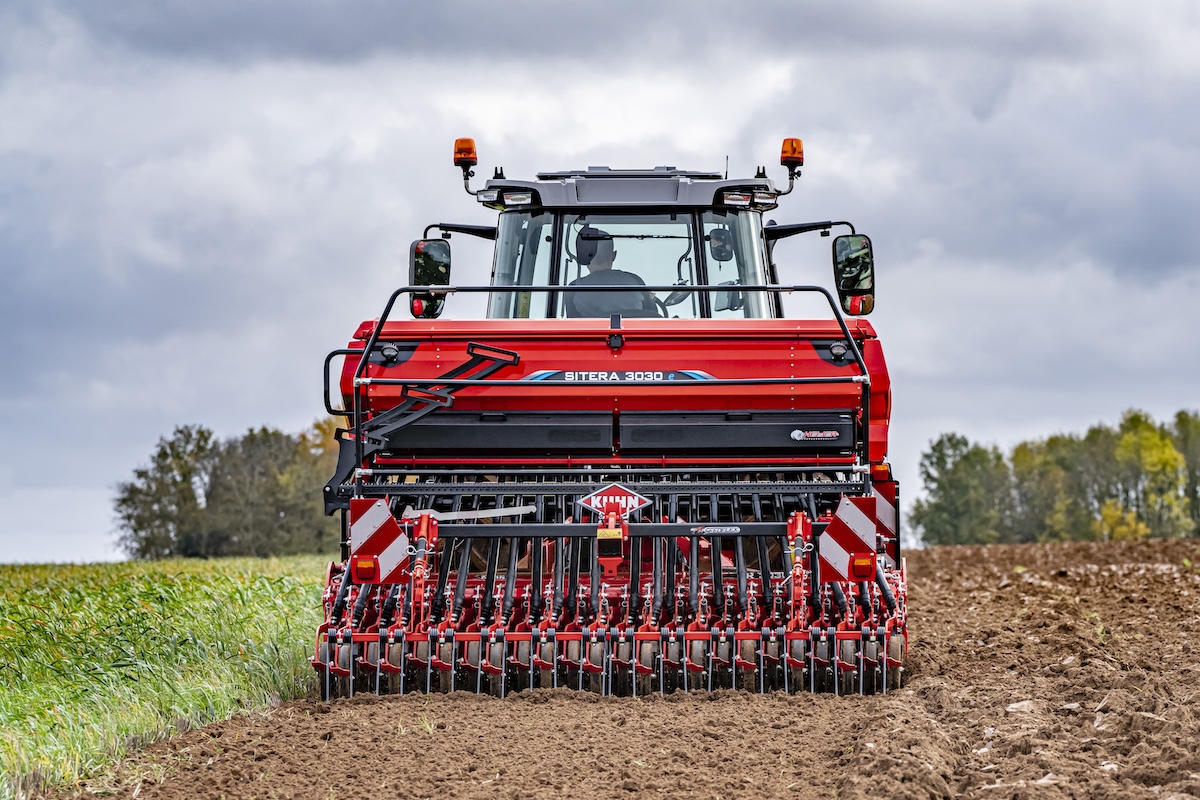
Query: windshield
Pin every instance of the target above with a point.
(629, 250)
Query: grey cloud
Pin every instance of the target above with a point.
(232, 31)
(184, 232)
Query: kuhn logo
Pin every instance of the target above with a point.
(614, 498)
(715, 530)
(800, 436)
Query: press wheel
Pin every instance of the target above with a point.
(496, 659)
(443, 679)
(872, 675)
(546, 676)
(698, 654)
(622, 676)
(798, 676)
(595, 680)
(824, 678)
(895, 675)
(848, 679)
(648, 657)
(747, 678)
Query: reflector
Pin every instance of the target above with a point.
(364, 570)
(862, 567)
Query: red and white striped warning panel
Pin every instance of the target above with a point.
(847, 547)
(378, 545)
(886, 514)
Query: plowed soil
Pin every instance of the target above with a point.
(1036, 671)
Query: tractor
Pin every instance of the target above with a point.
(635, 475)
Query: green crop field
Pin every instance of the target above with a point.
(98, 659)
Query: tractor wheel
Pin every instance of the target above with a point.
(798, 676)
(546, 676)
(848, 679)
(895, 651)
(496, 659)
(747, 678)
(648, 656)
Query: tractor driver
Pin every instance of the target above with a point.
(594, 250)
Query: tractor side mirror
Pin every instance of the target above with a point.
(428, 265)
(854, 274)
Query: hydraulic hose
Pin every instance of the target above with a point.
(889, 599)
(339, 603)
(360, 606)
(389, 606)
(839, 599)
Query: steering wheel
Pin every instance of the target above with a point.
(662, 308)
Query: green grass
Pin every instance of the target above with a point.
(100, 659)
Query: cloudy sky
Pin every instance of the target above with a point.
(199, 200)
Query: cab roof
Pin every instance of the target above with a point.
(604, 186)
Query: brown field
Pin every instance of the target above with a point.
(1036, 671)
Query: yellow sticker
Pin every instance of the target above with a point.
(608, 533)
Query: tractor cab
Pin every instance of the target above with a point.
(659, 243)
(676, 247)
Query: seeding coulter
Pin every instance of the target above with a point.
(635, 475)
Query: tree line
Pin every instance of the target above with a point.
(1132, 481)
(254, 495)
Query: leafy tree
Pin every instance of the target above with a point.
(259, 494)
(1131, 481)
(1153, 475)
(161, 512)
(969, 493)
(1117, 524)
(1045, 503)
(1186, 435)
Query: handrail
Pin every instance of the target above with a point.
(373, 339)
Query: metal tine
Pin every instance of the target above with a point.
(594, 553)
(460, 585)
(573, 578)
(635, 581)
(739, 560)
(438, 606)
(489, 583)
(656, 573)
(510, 579)
(535, 569)
(560, 557)
(694, 576)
